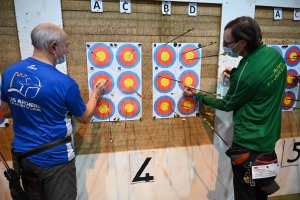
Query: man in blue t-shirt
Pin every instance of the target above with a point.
(41, 101)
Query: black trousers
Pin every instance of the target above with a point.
(242, 190)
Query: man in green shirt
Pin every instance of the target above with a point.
(255, 95)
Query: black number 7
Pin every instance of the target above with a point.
(138, 177)
(295, 149)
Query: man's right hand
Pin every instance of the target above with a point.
(100, 88)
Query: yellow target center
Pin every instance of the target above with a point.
(103, 108)
(293, 56)
(165, 56)
(128, 82)
(100, 80)
(188, 81)
(129, 108)
(164, 82)
(164, 106)
(100, 56)
(287, 100)
(189, 56)
(290, 79)
(187, 105)
(128, 56)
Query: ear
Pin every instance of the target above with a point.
(244, 43)
(52, 46)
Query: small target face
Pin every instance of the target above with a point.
(189, 55)
(128, 82)
(288, 100)
(100, 55)
(105, 108)
(128, 56)
(188, 78)
(290, 83)
(98, 77)
(292, 56)
(164, 106)
(164, 56)
(129, 107)
(164, 82)
(187, 105)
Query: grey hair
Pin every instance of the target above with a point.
(43, 34)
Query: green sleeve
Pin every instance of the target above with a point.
(238, 94)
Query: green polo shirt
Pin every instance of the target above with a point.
(255, 96)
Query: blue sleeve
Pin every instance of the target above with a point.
(74, 101)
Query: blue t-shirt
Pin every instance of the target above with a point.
(42, 101)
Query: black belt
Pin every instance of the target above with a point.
(44, 147)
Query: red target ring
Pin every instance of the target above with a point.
(104, 109)
(292, 56)
(288, 100)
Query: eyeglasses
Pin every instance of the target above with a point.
(226, 44)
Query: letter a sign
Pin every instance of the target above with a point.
(96, 6)
(277, 13)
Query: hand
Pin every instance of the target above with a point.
(100, 88)
(296, 78)
(227, 72)
(190, 91)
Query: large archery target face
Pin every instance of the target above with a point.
(277, 49)
(128, 82)
(187, 105)
(292, 56)
(163, 82)
(164, 106)
(105, 108)
(98, 77)
(164, 56)
(100, 55)
(188, 78)
(288, 101)
(290, 83)
(191, 58)
(128, 56)
(129, 107)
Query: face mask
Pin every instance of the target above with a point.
(230, 53)
(60, 60)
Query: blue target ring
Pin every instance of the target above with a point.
(128, 82)
(164, 56)
(164, 106)
(105, 76)
(159, 81)
(189, 55)
(100, 55)
(129, 107)
(128, 56)
(187, 105)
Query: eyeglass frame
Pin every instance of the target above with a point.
(226, 44)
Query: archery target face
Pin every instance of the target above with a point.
(129, 107)
(187, 105)
(189, 78)
(128, 82)
(120, 64)
(189, 55)
(105, 109)
(164, 56)
(292, 56)
(100, 55)
(164, 106)
(288, 100)
(2, 119)
(101, 76)
(164, 81)
(175, 66)
(290, 83)
(128, 56)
